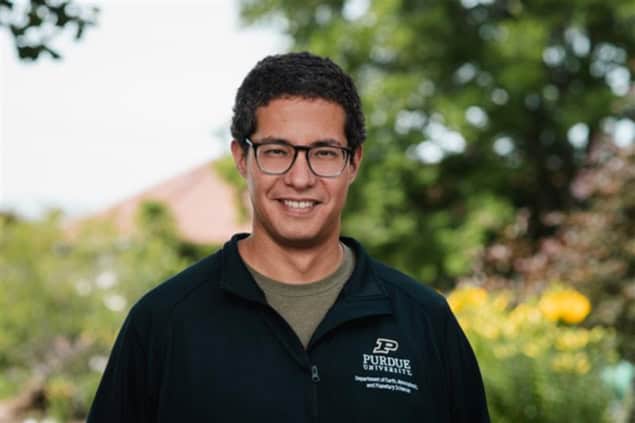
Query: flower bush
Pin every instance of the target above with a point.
(538, 364)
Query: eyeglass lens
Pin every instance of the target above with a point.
(323, 160)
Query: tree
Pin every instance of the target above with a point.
(476, 109)
(63, 298)
(34, 24)
(592, 249)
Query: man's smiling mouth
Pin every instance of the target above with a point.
(300, 205)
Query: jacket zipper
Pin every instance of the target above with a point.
(315, 378)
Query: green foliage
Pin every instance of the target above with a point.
(226, 169)
(534, 368)
(63, 298)
(469, 104)
(34, 23)
(155, 221)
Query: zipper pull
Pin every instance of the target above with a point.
(315, 376)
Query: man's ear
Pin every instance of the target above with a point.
(240, 157)
(356, 161)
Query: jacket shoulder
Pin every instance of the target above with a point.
(398, 284)
(158, 304)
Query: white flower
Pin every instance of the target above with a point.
(97, 363)
(115, 302)
(83, 287)
(106, 279)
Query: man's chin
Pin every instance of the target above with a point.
(300, 241)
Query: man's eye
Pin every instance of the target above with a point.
(275, 152)
(326, 153)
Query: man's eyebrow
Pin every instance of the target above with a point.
(316, 143)
(325, 142)
(273, 139)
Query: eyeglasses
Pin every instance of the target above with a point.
(277, 157)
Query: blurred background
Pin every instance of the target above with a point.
(499, 168)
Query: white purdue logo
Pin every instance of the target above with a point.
(384, 346)
(386, 369)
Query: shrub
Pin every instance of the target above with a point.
(537, 364)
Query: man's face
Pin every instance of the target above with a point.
(298, 208)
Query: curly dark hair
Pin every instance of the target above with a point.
(302, 75)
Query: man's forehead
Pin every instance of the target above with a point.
(301, 120)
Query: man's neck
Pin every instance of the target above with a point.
(288, 264)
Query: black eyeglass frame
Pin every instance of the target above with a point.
(297, 148)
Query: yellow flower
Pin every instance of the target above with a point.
(563, 363)
(509, 328)
(504, 351)
(596, 334)
(532, 349)
(572, 340)
(465, 298)
(549, 307)
(524, 315)
(489, 331)
(576, 307)
(582, 365)
(501, 301)
(465, 323)
(567, 305)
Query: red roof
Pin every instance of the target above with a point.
(203, 205)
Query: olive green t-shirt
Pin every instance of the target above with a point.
(304, 305)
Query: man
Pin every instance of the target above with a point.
(292, 323)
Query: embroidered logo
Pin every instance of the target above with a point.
(384, 346)
(381, 361)
(382, 371)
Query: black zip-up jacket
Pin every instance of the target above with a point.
(205, 346)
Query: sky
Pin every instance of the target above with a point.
(144, 96)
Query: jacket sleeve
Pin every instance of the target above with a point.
(467, 394)
(123, 394)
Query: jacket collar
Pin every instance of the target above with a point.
(235, 278)
(363, 294)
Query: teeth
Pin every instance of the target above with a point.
(298, 204)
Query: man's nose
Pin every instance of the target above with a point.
(300, 175)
